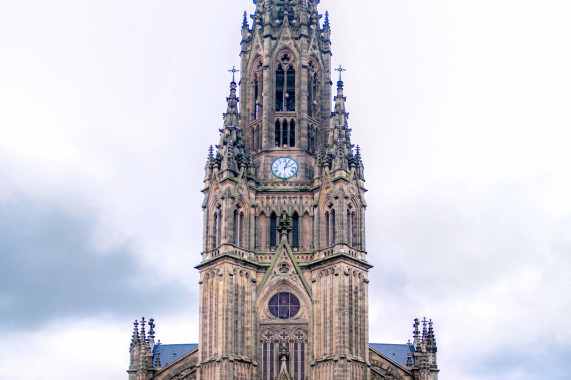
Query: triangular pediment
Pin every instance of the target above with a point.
(284, 266)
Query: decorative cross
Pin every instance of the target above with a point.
(283, 335)
(269, 335)
(340, 69)
(233, 71)
(299, 335)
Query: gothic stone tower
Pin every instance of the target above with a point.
(284, 271)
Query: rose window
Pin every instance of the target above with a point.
(284, 305)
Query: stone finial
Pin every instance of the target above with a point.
(135, 337)
(431, 339)
(326, 23)
(143, 333)
(416, 333)
(245, 21)
(284, 225)
(152, 331)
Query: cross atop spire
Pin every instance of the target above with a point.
(233, 71)
(341, 70)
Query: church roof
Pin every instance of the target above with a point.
(169, 353)
(398, 353)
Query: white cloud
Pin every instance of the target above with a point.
(461, 109)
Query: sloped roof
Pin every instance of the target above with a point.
(398, 353)
(172, 352)
(169, 353)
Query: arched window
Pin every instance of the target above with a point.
(268, 358)
(330, 226)
(285, 84)
(285, 133)
(295, 231)
(278, 133)
(313, 90)
(327, 228)
(273, 230)
(217, 227)
(238, 227)
(258, 90)
(350, 226)
(292, 134)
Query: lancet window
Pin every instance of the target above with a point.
(258, 90)
(312, 137)
(295, 344)
(257, 138)
(285, 133)
(313, 90)
(217, 228)
(238, 227)
(330, 226)
(295, 230)
(351, 226)
(285, 84)
(273, 230)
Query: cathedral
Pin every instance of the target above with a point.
(284, 273)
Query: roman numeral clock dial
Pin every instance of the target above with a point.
(284, 167)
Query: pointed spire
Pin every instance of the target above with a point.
(416, 334)
(424, 334)
(231, 115)
(431, 338)
(135, 337)
(152, 331)
(326, 23)
(143, 334)
(245, 21)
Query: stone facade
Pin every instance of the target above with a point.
(284, 272)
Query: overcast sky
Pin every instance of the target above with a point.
(462, 109)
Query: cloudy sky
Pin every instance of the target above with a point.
(462, 109)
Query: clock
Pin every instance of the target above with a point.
(284, 167)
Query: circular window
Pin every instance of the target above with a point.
(284, 305)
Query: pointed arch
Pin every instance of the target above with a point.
(273, 230)
(295, 230)
(285, 81)
(262, 232)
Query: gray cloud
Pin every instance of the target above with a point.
(51, 267)
(541, 362)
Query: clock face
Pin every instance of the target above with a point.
(284, 167)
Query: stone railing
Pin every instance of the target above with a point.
(340, 249)
(228, 249)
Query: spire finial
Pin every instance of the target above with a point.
(233, 71)
(245, 22)
(326, 23)
(341, 70)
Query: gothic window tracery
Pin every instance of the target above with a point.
(351, 229)
(330, 226)
(285, 84)
(258, 90)
(313, 90)
(238, 227)
(285, 133)
(284, 306)
(295, 230)
(217, 227)
(274, 343)
(273, 230)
